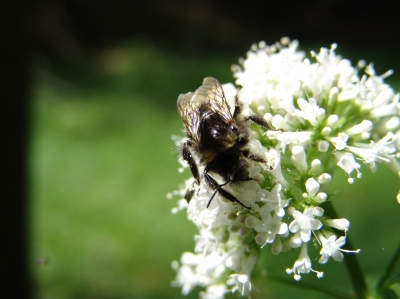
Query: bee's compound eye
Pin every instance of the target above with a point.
(234, 128)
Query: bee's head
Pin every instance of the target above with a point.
(218, 135)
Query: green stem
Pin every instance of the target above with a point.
(355, 273)
(353, 267)
(389, 269)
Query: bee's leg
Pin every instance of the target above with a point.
(254, 157)
(259, 120)
(188, 157)
(218, 188)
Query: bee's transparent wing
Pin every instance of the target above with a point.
(212, 93)
(189, 112)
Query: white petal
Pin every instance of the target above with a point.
(340, 141)
(337, 256)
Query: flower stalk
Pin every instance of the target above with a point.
(353, 267)
(388, 278)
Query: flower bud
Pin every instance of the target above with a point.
(316, 166)
(320, 197)
(299, 159)
(324, 178)
(312, 186)
(320, 114)
(332, 120)
(323, 146)
(326, 131)
(364, 126)
(341, 224)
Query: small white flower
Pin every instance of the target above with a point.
(308, 110)
(274, 202)
(302, 265)
(346, 162)
(340, 142)
(280, 122)
(380, 151)
(272, 225)
(286, 138)
(304, 223)
(331, 248)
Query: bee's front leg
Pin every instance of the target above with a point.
(218, 188)
(261, 121)
(254, 157)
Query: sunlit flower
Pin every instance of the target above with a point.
(272, 225)
(302, 265)
(303, 224)
(381, 151)
(331, 248)
(309, 110)
(340, 142)
(347, 162)
(325, 114)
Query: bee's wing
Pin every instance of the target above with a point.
(189, 112)
(211, 92)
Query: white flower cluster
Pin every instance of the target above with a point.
(327, 116)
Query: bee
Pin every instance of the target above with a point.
(217, 139)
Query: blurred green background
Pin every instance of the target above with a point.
(105, 77)
(102, 162)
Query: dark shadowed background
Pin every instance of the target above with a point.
(89, 90)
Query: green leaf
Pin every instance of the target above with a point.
(388, 294)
